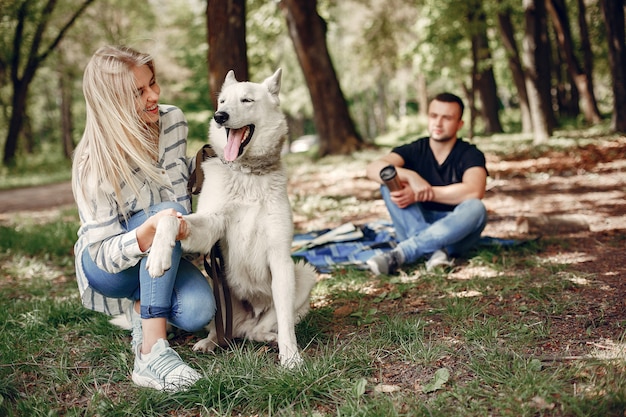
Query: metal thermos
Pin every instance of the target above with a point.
(390, 177)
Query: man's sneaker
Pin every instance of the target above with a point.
(437, 259)
(136, 331)
(385, 264)
(163, 369)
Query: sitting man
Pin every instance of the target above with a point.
(438, 211)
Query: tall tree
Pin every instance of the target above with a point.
(482, 75)
(65, 92)
(333, 123)
(27, 55)
(537, 73)
(507, 32)
(584, 85)
(613, 12)
(226, 36)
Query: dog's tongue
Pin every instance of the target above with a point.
(233, 142)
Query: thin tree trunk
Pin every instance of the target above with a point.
(560, 21)
(613, 12)
(484, 80)
(422, 95)
(585, 44)
(515, 65)
(67, 124)
(33, 60)
(537, 74)
(471, 105)
(226, 37)
(334, 126)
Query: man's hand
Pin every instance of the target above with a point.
(422, 190)
(416, 190)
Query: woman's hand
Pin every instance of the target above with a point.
(146, 232)
(183, 229)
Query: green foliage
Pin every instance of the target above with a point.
(380, 50)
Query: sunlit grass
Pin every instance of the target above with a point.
(71, 361)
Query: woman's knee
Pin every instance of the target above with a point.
(194, 299)
(196, 313)
(123, 284)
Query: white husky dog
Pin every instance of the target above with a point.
(244, 204)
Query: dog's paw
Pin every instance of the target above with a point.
(263, 337)
(292, 361)
(206, 345)
(160, 256)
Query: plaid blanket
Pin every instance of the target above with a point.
(377, 237)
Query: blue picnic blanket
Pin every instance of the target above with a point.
(378, 237)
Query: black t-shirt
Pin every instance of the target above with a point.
(419, 157)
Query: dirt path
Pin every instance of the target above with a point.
(36, 198)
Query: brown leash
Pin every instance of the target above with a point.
(214, 266)
(196, 179)
(221, 292)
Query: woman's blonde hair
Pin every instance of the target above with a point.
(116, 141)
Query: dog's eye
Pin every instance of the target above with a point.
(246, 100)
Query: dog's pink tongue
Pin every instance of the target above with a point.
(233, 142)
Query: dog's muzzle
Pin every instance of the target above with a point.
(221, 117)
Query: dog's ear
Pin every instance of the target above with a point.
(230, 79)
(273, 83)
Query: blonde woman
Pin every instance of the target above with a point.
(130, 169)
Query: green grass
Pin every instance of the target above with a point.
(58, 358)
(372, 346)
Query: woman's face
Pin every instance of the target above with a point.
(147, 94)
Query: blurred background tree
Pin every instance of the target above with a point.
(520, 66)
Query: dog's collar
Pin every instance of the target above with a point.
(262, 168)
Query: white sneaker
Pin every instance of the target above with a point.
(384, 264)
(163, 369)
(136, 330)
(437, 259)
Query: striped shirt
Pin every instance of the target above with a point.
(111, 247)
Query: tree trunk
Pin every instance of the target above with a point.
(422, 95)
(515, 65)
(613, 12)
(18, 103)
(67, 125)
(585, 44)
(537, 73)
(566, 92)
(560, 21)
(226, 37)
(334, 126)
(484, 80)
(33, 59)
(471, 104)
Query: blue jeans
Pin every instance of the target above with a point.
(422, 232)
(182, 295)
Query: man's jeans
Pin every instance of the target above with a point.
(422, 232)
(182, 295)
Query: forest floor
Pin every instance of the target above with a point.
(580, 192)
